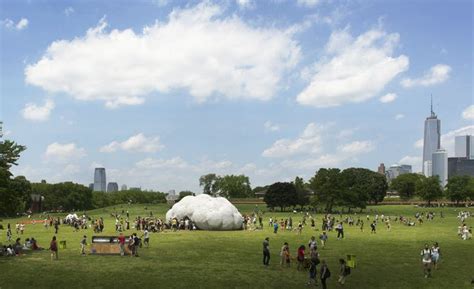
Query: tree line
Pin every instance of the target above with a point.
(350, 188)
(458, 189)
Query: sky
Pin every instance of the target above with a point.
(161, 92)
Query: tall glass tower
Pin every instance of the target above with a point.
(99, 180)
(432, 140)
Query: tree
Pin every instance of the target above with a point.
(458, 188)
(405, 185)
(356, 184)
(232, 186)
(302, 194)
(14, 193)
(208, 182)
(183, 194)
(429, 189)
(280, 195)
(327, 187)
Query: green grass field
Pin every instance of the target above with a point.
(203, 259)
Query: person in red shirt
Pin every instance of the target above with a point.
(300, 257)
(121, 240)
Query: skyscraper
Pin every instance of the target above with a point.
(112, 187)
(124, 187)
(99, 180)
(431, 140)
(440, 166)
(462, 146)
(381, 169)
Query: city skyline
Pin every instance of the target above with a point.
(296, 97)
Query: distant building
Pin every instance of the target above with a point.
(464, 147)
(431, 139)
(91, 186)
(440, 166)
(396, 170)
(381, 169)
(171, 197)
(124, 187)
(460, 167)
(112, 187)
(427, 169)
(99, 180)
(135, 188)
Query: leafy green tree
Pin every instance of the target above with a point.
(183, 194)
(208, 182)
(232, 186)
(280, 195)
(458, 188)
(302, 193)
(356, 183)
(14, 193)
(327, 187)
(429, 189)
(405, 185)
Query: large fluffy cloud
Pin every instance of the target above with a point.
(437, 74)
(63, 152)
(309, 141)
(136, 143)
(354, 69)
(208, 213)
(468, 113)
(198, 49)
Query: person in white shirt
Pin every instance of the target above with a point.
(426, 259)
(146, 238)
(435, 254)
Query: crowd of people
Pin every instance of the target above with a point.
(307, 261)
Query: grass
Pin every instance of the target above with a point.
(202, 259)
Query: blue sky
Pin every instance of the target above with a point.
(161, 92)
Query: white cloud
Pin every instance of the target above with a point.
(22, 24)
(68, 11)
(437, 74)
(10, 24)
(63, 152)
(399, 116)
(353, 70)
(357, 147)
(468, 113)
(389, 97)
(269, 126)
(414, 161)
(35, 112)
(308, 3)
(136, 143)
(309, 141)
(245, 4)
(208, 59)
(447, 139)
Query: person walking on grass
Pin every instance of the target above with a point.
(426, 260)
(285, 255)
(266, 251)
(314, 261)
(300, 257)
(340, 231)
(435, 254)
(323, 237)
(275, 227)
(83, 245)
(121, 241)
(146, 238)
(325, 274)
(373, 227)
(53, 247)
(344, 271)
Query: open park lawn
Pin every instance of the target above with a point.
(203, 259)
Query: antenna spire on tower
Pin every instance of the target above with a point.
(432, 112)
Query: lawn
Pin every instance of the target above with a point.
(203, 259)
